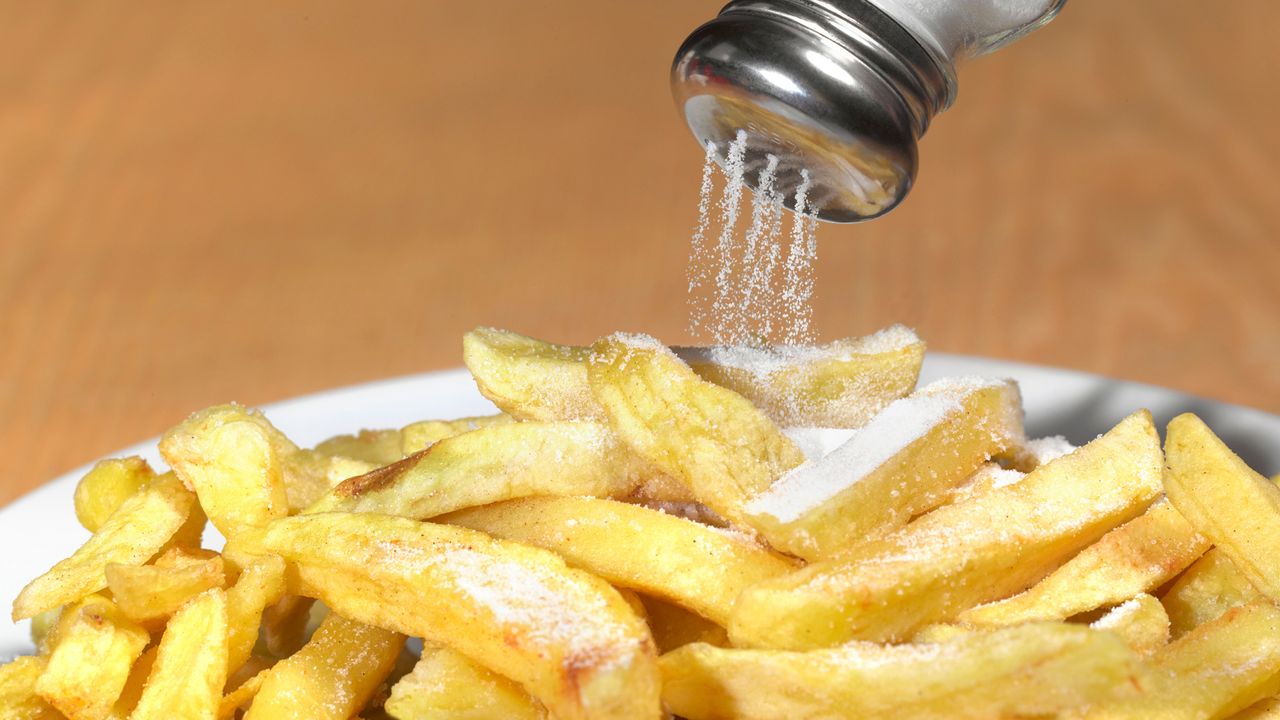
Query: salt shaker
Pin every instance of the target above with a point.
(841, 88)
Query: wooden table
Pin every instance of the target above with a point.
(203, 202)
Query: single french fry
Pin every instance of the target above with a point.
(1213, 671)
(495, 463)
(902, 463)
(332, 676)
(18, 698)
(1137, 557)
(1237, 509)
(563, 634)
(261, 584)
(958, 555)
(155, 591)
(233, 459)
(699, 567)
(419, 436)
(1206, 590)
(90, 665)
(191, 665)
(106, 486)
(704, 436)
(530, 379)
(445, 684)
(134, 533)
(1141, 621)
(1033, 670)
(673, 626)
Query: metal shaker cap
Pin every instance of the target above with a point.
(835, 87)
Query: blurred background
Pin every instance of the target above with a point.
(204, 202)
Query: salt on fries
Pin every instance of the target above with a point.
(637, 533)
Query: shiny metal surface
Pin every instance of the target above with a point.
(837, 87)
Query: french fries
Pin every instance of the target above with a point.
(191, 665)
(332, 676)
(261, 585)
(701, 568)
(18, 698)
(1209, 588)
(1140, 621)
(445, 684)
(956, 557)
(106, 486)
(90, 665)
(154, 591)
(1034, 670)
(419, 436)
(565, 635)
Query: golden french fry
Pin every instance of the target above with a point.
(903, 462)
(673, 626)
(563, 634)
(445, 684)
(155, 591)
(133, 687)
(106, 486)
(1140, 621)
(704, 436)
(699, 567)
(421, 435)
(332, 676)
(90, 665)
(1033, 670)
(234, 461)
(376, 447)
(1137, 557)
(530, 379)
(132, 535)
(958, 555)
(261, 584)
(18, 698)
(495, 463)
(191, 664)
(1206, 590)
(1237, 509)
(1213, 671)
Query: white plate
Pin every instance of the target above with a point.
(40, 528)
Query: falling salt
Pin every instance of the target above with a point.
(698, 256)
(725, 316)
(797, 285)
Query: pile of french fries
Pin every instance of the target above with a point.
(639, 533)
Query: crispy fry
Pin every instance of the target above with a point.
(234, 461)
(261, 584)
(191, 665)
(445, 684)
(155, 591)
(903, 462)
(1227, 502)
(1141, 621)
(1215, 670)
(106, 486)
(696, 566)
(1209, 588)
(90, 665)
(18, 698)
(421, 435)
(956, 556)
(495, 463)
(530, 379)
(708, 438)
(1033, 670)
(673, 626)
(131, 536)
(1136, 557)
(563, 634)
(332, 676)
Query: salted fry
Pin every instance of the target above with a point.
(1034, 670)
(154, 591)
(903, 462)
(1237, 509)
(421, 435)
(956, 556)
(706, 437)
(106, 486)
(566, 636)
(233, 459)
(445, 684)
(701, 568)
(1141, 621)
(332, 676)
(261, 584)
(1209, 588)
(18, 698)
(90, 665)
(134, 533)
(191, 664)
(491, 464)
(1137, 557)
(530, 379)
(1215, 670)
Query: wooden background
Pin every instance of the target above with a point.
(202, 202)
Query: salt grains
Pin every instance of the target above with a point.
(746, 289)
